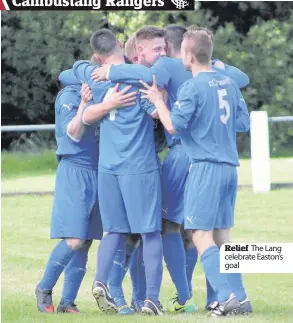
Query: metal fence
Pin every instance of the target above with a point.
(51, 127)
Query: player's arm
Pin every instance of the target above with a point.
(76, 128)
(240, 78)
(80, 73)
(242, 115)
(132, 74)
(115, 99)
(173, 121)
(67, 77)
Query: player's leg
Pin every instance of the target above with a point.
(68, 208)
(191, 256)
(91, 224)
(138, 279)
(122, 261)
(143, 203)
(221, 234)
(73, 276)
(115, 223)
(174, 174)
(58, 260)
(201, 206)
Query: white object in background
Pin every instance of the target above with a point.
(260, 151)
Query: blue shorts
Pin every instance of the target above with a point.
(210, 196)
(174, 174)
(76, 210)
(130, 203)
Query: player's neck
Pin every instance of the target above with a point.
(176, 55)
(115, 59)
(197, 68)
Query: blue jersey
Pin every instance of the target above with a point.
(205, 117)
(84, 151)
(170, 75)
(127, 143)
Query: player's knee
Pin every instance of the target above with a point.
(187, 239)
(75, 244)
(221, 236)
(200, 237)
(169, 227)
(133, 239)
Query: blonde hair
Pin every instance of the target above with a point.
(200, 41)
(130, 48)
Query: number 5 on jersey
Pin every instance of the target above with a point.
(224, 104)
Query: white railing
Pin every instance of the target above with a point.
(260, 152)
(24, 128)
(51, 127)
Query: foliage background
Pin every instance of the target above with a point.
(37, 46)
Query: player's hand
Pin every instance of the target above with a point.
(86, 93)
(100, 73)
(121, 99)
(152, 93)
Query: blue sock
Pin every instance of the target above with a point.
(191, 255)
(153, 262)
(137, 274)
(210, 260)
(74, 273)
(174, 255)
(211, 294)
(57, 262)
(236, 283)
(106, 253)
(119, 269)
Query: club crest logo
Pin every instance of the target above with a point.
(180, 4)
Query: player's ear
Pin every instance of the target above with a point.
(120, 44)
(134, 59)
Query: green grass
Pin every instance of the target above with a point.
(26, 246)
(25, 164)
(22, 181)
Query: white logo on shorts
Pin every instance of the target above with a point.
(189, 219)
(165, 210)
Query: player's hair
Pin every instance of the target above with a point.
(130, 48)
(174, 34)
(104, 42)
(149, 32)
(197, 28)
(200, 43)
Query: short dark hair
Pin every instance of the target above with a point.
(150, 32)
(103, 42)
(200, 43)
(174, 34)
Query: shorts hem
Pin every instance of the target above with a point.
(173, 220)
(75, 236)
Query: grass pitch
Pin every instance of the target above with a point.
(26, 247)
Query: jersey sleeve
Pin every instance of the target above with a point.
(242, 115)
(185, 106)
(147, 106)
(130, 74)
(67, 77)
(82, 70)
(240, 78)
(162, 74)
(66, 110)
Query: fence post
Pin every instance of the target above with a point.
(260, 152)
